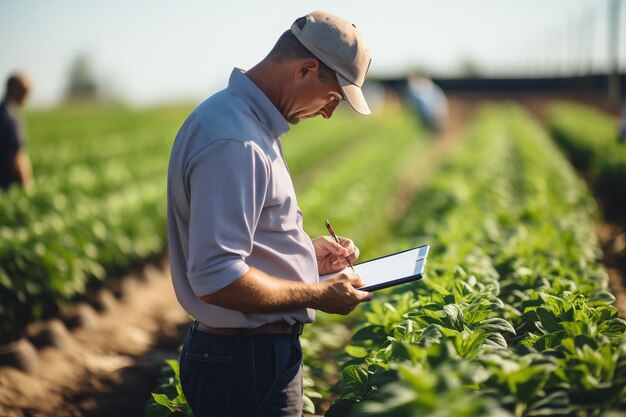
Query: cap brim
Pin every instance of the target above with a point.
(354, 96)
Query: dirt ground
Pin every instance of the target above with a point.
(612, 239)
(460, 111)
(109, 367)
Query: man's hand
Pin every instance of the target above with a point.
(340, 294)
(331, 256)
(257, 292)
(22, 167)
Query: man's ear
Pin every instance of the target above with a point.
(307, 68)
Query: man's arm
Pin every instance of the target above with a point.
(257, 292)
(22, 167)
(227, 199)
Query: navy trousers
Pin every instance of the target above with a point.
(242, 376)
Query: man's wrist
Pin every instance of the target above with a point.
(307, 294)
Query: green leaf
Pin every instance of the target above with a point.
(583, 340)
(340, 408)
(173, 363)
(179, 400)
(549, 341)
(548, 320)
(401, 351)
(354, 373)
(496, 325)
(156, 410)
(526, 382)
(472, 343)
(614, 326)
(439, 289)
(168, 389)
(313, 394)
(455, 315)
(308, 406)
(431, 334)
(358, 352)
(372, 332)
(396, 396)
(390, 307)
(162, 399)
(600, 298)
(496, 340)
(5, 281)
(557, 403)
(430, 317)
(556, 304)
(574, 328)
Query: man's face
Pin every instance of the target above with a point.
(21, 95)
(314, 98)
(18, 91)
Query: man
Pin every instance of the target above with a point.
(241, 262)
(14, 162)
(428, 100)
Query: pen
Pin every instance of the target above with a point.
(334, 236)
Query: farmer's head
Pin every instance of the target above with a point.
(17, 88)
(321, 61)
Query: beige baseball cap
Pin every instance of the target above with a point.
(337, 44)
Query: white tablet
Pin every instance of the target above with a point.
(390, 270)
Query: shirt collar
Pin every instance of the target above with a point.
(260, 105)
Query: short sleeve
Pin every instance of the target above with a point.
(227, 182)
(12, 133)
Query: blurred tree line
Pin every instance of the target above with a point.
(82, 84)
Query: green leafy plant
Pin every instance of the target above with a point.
(168, 400)
(513, 316)
(97, 211)
(589, 137)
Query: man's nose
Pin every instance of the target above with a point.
(328, 110)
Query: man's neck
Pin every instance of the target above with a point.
(9, 101)
(268, 78)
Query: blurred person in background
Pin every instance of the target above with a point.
(241, 263)
(15, 165)
(428, 101)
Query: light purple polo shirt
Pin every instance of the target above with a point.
(232, 205)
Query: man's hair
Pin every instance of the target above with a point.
(16, 82)
(289, 47)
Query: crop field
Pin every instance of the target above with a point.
(514, 316)
(98, 208)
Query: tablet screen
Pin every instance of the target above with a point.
(392, 269)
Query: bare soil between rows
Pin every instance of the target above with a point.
(108, 368)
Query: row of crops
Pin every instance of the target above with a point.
(514, 317)
(589, 138)
(98, 208)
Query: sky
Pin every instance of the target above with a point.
(147, 52)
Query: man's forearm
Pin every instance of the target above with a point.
(23, 169)
(257, 292)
